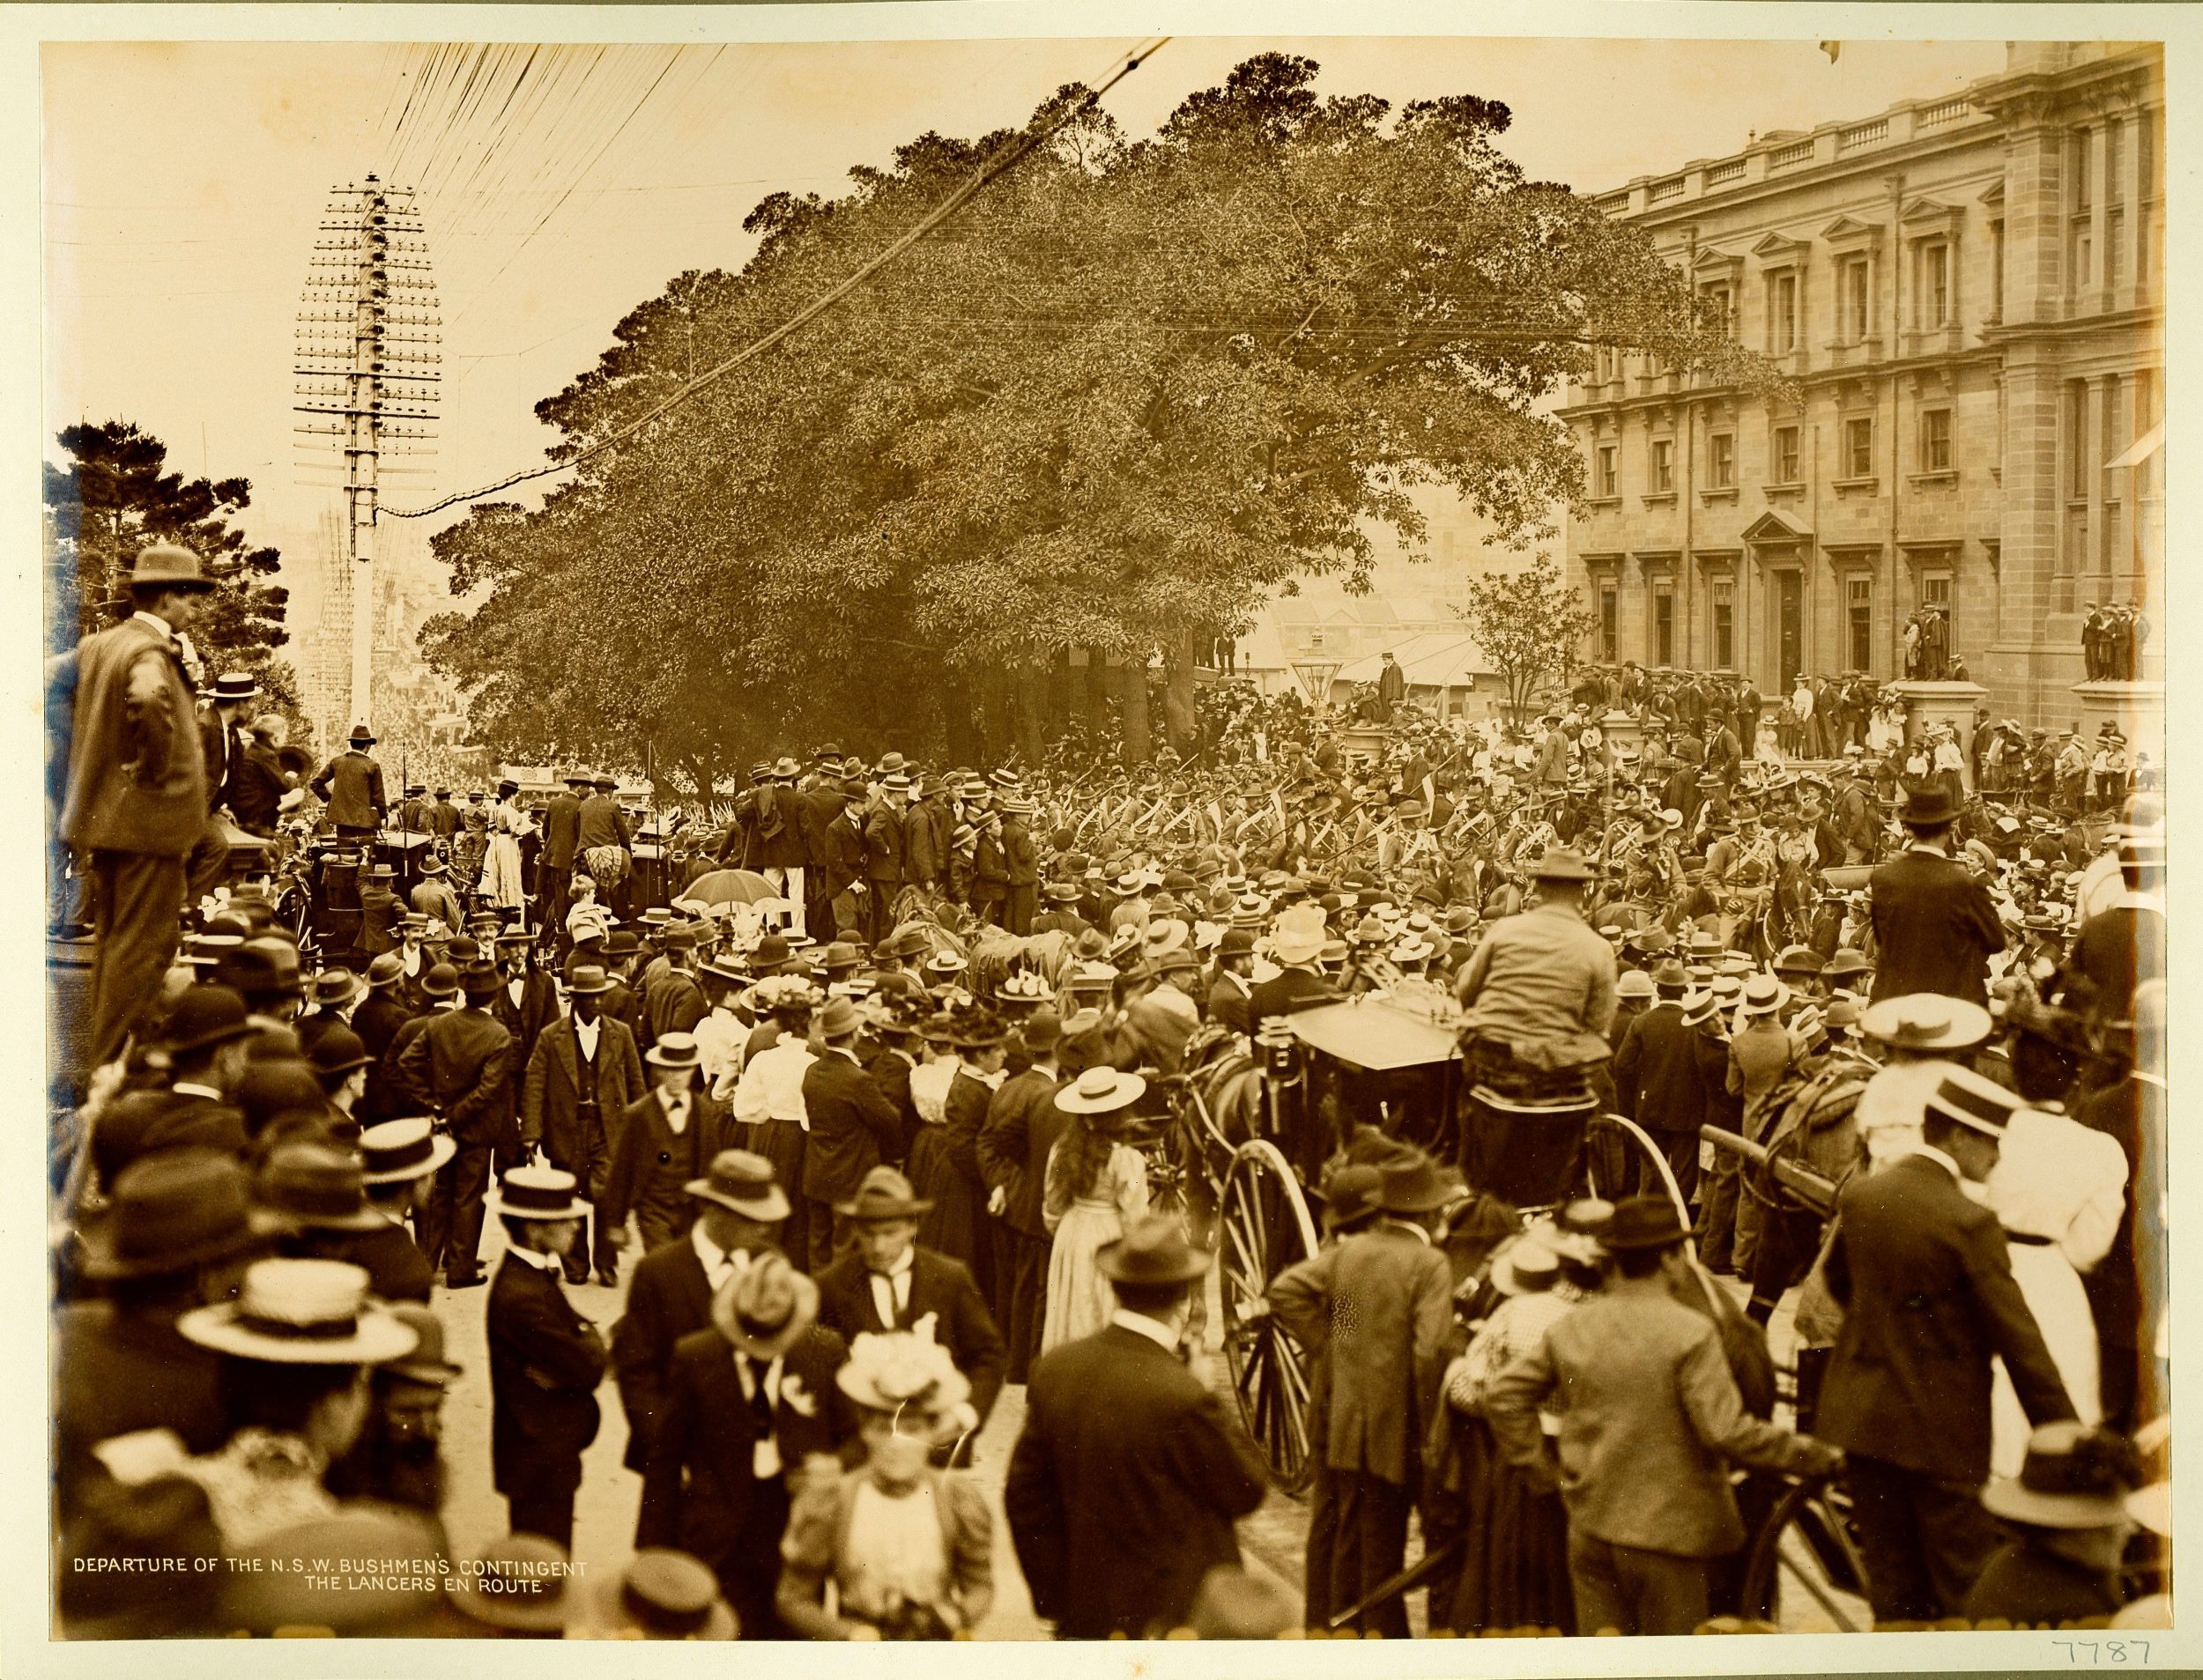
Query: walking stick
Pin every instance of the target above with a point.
(1430, 1564)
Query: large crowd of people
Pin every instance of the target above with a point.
(850, 1092)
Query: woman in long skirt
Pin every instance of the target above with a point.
(1096, 1186)
(944, 1159)
(504, 886)
(2058, 1190)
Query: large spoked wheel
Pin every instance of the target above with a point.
(1621, 1160)
(1263, 1227)
(1805, 1573)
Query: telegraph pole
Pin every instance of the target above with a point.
(367, 366)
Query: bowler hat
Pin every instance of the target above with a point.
(478, 979)
(884, 1193)
(202, 1017)
(337, 1050)
(172, 1211)
(517, 1582)
(667, 1594)
(1153, 1251)
(742, 1183)
(167, 566)
(316, 1188)
(1643, 1222)
(441, 980)
(386, 970)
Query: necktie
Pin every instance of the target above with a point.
(764, 1451)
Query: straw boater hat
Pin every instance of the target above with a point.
(675, 1050)
(1927, 1022)
(300, 1312)
(544, 1193)
(665, 1594)
(398, 1151)
(517, 1582)
(1526, 1265)
(765, 1310)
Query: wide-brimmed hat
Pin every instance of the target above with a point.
(546, 1193)
(884, 1194)
(901, 1373)
(300, 1312)
(1299, 936)
(839, 1020)
(1643, 1222)
(665, 1594)
(361, 736)
(167, 566)
(1635, 984)
(1927, 1021)
(2073, 1477)
(169, 1213)
(1413, 1184)
(313, 1186)
(1062, 891)
(518, 1582)
(202, 1017)
(1763, 994)
(1561, 863)
(1098, 1090)
(1154, 1250)
(766, 1309)
(1927, 806)
(675, 1050)
(742, 1183)
(338, 1049)
(587, 981)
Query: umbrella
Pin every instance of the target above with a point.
(730, 886)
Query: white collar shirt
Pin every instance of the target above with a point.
(719, 1263)
(772, 1085)
(157, 625)
(1140, 1324)
(765, 1460)
(676, 1104)
(891, 1289)
(547, 1264)
(585, 1034)
(515, 986)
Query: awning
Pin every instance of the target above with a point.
(1428, 661)
(1371, 1033)
(2151, 442)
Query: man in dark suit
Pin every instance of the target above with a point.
(1376, 1309)
(223, 738)
(1298, 945)
(377, 1020)
(665, 1141)
(584, 1074)
(884, 826)
(1062, 914)
(1022, 1126)
(1657, 1081)
(740, 1217)
(352, 783)
(134, 790)
(545, 1358)
(842, 869)
(554, 865)
(889, 1283)
(748, 1400)
(853, 1128)
(458, 1069)
(527, 1002)
(1230, 996)
(818, 802)
(1925, 1279)
(1126, 1481)
(1935, 926)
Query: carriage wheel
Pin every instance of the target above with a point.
(1263, 1227)
(1638, 1143)
(1804, 1553)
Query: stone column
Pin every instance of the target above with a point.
(1951, 703)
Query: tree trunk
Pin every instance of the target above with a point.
(957, 727)
(1178, 690)
(1029, 698)
(1132, 690)
(1095, 691)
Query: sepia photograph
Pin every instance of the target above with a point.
(1194, 835)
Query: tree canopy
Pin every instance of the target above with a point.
(1125, 394)
(113, 498)
(1528, 624)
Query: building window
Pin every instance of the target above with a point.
(1725, 308)
(1935, 591)
(1782, 313)
(2079, 153)
(1785, 454)
(1721, 460)
(1860, 623)
(1609, 624)
(1996, 270)
(1932, 292)
(1609, 469)
(1663, 624)
(1858, 447)
(1935, 440)
(2113, 133)
(2146, 155)
(1855, 301)
(2114, 247)
(1663, 465)
(1724, 626)
(2076, 418)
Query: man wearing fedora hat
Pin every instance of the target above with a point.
(1651, 1422)
(350, 784)
(314, 1196)
(177, 1234)
(852, 1129)
(545, 1359)
(1376, 1309)
(741, 1214)
(888, 1282)
(1022, 1125)
(886, 828)
(748, 1400)
(1115, 1530)
(432, 895)
(1908, 1392)
(223, 741)
(1935, 925)
(133, 797)
(665, 1140)
(458, 1069)
(561, 826)
(583, 1075)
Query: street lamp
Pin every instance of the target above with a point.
(1316, 678)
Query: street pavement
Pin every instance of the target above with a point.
(1272, 1539)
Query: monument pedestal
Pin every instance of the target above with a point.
(1621, 730)
(2137, 709)
(1951, 703)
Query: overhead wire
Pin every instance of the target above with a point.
(988, 172)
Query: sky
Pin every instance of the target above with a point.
(173, 269)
